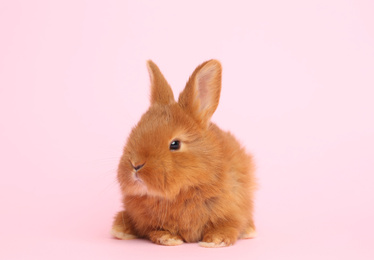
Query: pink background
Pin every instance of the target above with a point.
(298, 91)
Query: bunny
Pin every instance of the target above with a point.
(183, 179)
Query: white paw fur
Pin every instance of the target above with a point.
(212, 244)
(250, 234)
(167, 241)
(121, 235)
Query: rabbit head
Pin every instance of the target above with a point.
(171, 149)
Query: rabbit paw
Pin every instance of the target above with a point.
(118, 232)
(217, 240)
(122, 227)
(220, 237)
(212, 244)
(248, 233)
(165, 238)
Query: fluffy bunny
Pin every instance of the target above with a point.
(182, 178)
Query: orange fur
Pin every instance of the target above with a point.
(201, 192)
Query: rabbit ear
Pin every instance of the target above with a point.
(201, 95)
(161, 92)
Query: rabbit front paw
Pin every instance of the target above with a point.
(122, 227)
(220, 237)
(165, 238)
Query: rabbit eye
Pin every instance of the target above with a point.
(175, 145)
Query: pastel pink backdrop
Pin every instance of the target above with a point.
(298, 91)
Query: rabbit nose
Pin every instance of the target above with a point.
(138, 167)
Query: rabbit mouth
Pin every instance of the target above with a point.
(137, 178)
(140, 186)
(138, 181)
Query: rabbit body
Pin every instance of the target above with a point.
(183, 179)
